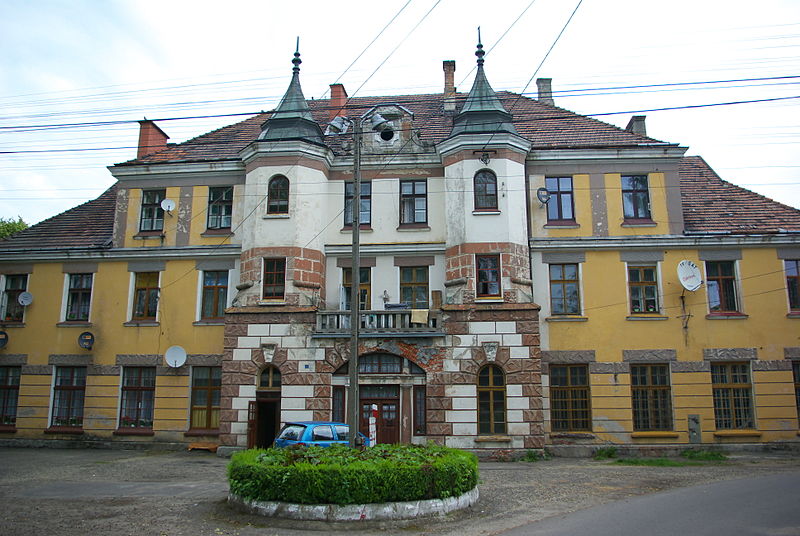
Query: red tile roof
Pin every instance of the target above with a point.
(712, 205)
(546, 126)
(89, 225)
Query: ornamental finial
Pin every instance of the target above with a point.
(480, 53)
(297, 61)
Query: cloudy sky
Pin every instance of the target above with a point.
(76, 75)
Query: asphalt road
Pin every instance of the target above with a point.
(76, 492)
(757, 506)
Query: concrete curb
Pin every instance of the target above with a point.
(356, 512)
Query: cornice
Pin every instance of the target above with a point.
(259, 148)
(618, 154)
(71, 254)
(470, 142)
(665, 241)
(158, 172)
(337, 250)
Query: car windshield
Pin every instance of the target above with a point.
(343, 431)
(292, 432)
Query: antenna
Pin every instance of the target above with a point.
(689, 275)
(175, 356)
(167, 205)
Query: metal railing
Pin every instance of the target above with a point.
(392, 321)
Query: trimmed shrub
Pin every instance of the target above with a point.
(340, 475)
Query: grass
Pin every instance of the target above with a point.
(533, 456)
(605, 453)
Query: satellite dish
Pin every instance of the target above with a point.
(689, 275)
(86, 340)
(543, 195)
(25, 299)
(175, 356)
(168, 205)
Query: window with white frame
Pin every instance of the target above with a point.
(413, 202)
(145, 296)
(214, 295)
(220, 207)
(79, 297)
(721, 287)
(152, 215)
(13, 286)
(643, 289)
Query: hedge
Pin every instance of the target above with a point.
(341, 475)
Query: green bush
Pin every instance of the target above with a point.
(341, 475)
(605, 453)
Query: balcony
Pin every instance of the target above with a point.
(390, 323)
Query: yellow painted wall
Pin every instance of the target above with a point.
(42, 337)
(608, 332)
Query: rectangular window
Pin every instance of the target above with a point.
(561, 206)
(419, 410)
(488, 276)
(364, 301)
(220, 207)
(414, 286)
(643, 289)
(635, 197)
(215, 294)
(145, 296)
(152, 217)
(796, 374)
(15, 285)
(721, 286)
(9, 394)
(413, 202)
(206, 385)
(733, 404)
(79, 297)
(564, 293)
(274, 279)
(338, 403)
(569, 398)
(365, 211)
(651, 394)
(68, 394)
(793, 284)
(138, 394)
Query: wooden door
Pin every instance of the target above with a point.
(388, 422)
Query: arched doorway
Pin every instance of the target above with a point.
(396, 386)
(264, 413)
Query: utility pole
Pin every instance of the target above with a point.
(355, 283)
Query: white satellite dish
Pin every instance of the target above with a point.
(689, 275)
(168, 205)
(175, 356)
(25, 299)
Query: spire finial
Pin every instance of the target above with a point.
(297, 61)
(480, 53)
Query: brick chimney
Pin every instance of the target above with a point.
(338, 100)
(449, 67)
(545, 87)
(151, 138)
(636, 125)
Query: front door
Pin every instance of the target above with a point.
(387, 398)
(263, 421)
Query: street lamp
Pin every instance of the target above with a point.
(337, 126)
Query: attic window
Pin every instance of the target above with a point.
(387, 134)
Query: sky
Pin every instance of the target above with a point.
(77, 75)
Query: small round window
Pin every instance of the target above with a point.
(387, 134)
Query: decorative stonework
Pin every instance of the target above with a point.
(649, 356)
(690, 366)
(792, 352)
(566, 357)
(13, 359)
(609, 368)
(729, 354)
(778, 364)
(70, 360)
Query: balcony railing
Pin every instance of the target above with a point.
(380, 323)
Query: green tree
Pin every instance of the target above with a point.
(9, 226)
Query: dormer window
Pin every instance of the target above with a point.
(152, 217)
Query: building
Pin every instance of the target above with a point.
(517, 280)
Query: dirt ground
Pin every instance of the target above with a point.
(78, 492)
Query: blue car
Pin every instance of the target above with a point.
(322, 433)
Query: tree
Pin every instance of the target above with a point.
(9, 226)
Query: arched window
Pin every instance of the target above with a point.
(491, 400)
(270, 379)
(485, 185)
(278, 195)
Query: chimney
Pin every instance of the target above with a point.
(151, 138)
(449, 67)
(545, 87)
(338, 100)
(636, 125)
